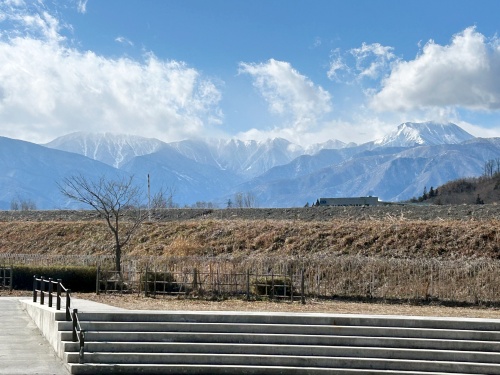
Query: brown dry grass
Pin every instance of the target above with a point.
(395, 238)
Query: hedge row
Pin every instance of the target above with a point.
(78, 279)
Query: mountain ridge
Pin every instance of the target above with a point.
(276, 171)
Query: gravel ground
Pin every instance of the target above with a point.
(135, 302)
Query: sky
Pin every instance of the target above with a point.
(304, 70)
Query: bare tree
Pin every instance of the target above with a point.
(489, 168)
(113, 199)
(238, 200)
(249, 200)
(246, 200)
(23, 204)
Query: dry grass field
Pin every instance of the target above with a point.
(392, 237)
(404, 253)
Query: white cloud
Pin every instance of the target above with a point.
(48, 89)
(82, 6)
(289, 93)
(463, 74)
(123, 40)
(372, 59)
(368, 61)
(337, 65)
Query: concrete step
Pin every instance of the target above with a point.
(299, 329)
(354, 341)
(293, 361)
(276, 343)
(232, 370)
(290, 339)
(301, 319)
(282, 350)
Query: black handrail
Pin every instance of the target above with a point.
(78, 334)
(47, 287)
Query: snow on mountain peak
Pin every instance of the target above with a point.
(112, 149)
(428, 133)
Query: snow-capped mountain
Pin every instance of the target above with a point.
(109, 148)
(332, 144)
(277, 172)
(246, 158)
(411, 134)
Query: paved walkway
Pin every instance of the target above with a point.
(23, 349)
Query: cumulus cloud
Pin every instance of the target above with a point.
(463, 74)
(48, 88)
(287, 92)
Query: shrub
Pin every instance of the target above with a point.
(78, 279)
(279, 286)
(160, 283)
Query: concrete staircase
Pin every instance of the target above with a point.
(280, 343)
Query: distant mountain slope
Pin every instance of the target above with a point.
(32, 172)
(276, 172)
(112, 149)
(399, 175)
(190, 180)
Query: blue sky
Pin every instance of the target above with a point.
(307, 71)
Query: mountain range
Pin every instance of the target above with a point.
(276, 172)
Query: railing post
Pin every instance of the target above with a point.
(81, 338)
(68, 305)
(58, 302)
(34, 288)
(75, 337)
(42, 290)
(146, 283)
(51, 288)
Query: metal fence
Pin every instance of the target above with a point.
(195, 283)
(6, 277)
(460, 281)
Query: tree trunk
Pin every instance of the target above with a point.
(118, 259)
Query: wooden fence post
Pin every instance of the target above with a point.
(146, 283)
(97, 282)
(302, 292)
(248, 284)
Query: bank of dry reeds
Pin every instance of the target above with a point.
(394, 258)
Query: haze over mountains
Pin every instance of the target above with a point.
(276, 172)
